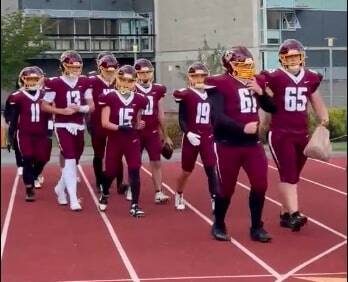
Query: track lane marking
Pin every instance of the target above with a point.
(233, 241)
(329, 164)
(279, 204)
(8, 216)
(132, 273)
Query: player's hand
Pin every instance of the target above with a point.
(254, 86)
(124, 127)
(141, 125)
(194, 138)
(75, 107)
(68, 111)
(251, 127)
(168, 141)
(325, 122)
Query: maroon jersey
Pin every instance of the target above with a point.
(123, 111)
(63, 93)
(291, 95)
(153, 94)
(198, 110)
(239, 103)
(31, 119)
(99, 87)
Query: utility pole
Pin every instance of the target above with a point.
(330, 41)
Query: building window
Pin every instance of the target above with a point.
(66, 26)
(290, 21)
(97, 27)
(82, 26)
(142, 27)
(50, 26)
(273, 20)
(110, 27)
(124, 27)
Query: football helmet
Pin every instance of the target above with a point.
(196, 74)
(30, 78)
(239, 62)
(107, 66)
(71, 64)
(292, 55)
(125, 79)
(144, 69)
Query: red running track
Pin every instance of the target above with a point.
(47, 242)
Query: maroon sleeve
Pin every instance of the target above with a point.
(261, 80)
(315, 81)
(163, 91)
(179, 95)
(143, 101)
(105, 100)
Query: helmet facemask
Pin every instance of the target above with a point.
(293, 61)
(243, 70)
(73, 70)
(196, 80)
(145, 77)
(125, 84)
(109, 74)
(31, 82)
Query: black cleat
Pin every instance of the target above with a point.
(30, 194)
(219, 232)
(103, 202)
(294, 221)
(259, 234)
(122, 189)
(136, 211)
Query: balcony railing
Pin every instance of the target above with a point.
(97, 43)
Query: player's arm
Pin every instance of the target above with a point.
(183, 117)
(162, 124)
(264, 99)
(320, 108)
(90, 107)
(105, 119)
(220, 120)
(48, 106)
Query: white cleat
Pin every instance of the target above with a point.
(61, 197)
(75, 206)
(37, 184)
(179, 201)
(129, 194)
(161, 198)
(20, 170)
(41, 179)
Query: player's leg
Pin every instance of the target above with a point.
(255, 165)
(98, 144)
(18, 156)
(152, 144)
(228, 166)
(25, 147)
(42, 151)
(133, 159)
(209, 161)
(189, 154)
(284, 154)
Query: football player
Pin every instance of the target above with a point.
(293, 87)
(31, 126)
(121, 115)
(102, 84)
(68, 98)
(195, 122)
(154, 131)
(235, 111)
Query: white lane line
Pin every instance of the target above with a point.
(303, 265)
(329, 164)
(206, 277)
(177, 278)
(309, 218)
(317, 183)
(233, 241)
(134, 276)
(7, 220)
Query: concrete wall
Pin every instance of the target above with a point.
(181, 33)
(8, 6)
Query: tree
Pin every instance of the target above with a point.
(210, 57)
(21, 40)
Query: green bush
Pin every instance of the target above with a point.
(337, 124)
(174, 132)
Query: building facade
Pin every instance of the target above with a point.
(172, 33)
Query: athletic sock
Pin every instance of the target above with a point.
(70, 179)
(221, 207)
(256, 202)
(98, 169)
(212, 179)
(134, 181)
